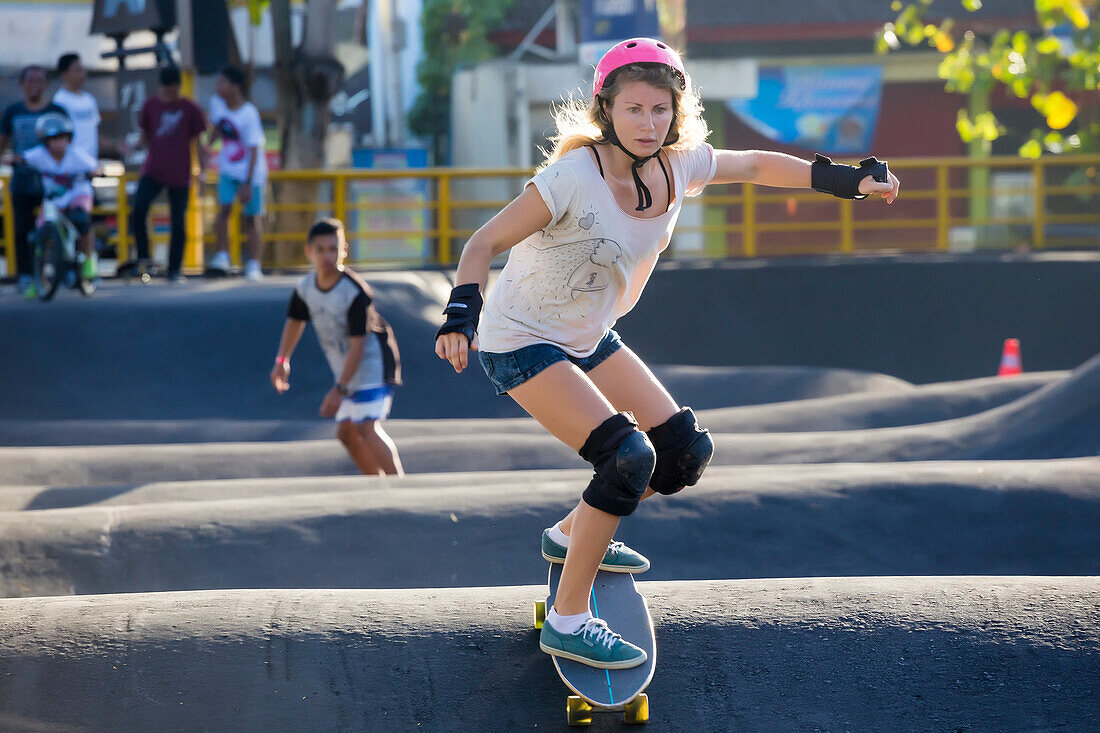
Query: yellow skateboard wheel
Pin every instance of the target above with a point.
(636, 711)
(577, 711)
(540, 613)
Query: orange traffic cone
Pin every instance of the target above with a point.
(1010, 359)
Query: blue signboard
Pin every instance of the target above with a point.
(603, 23)
(830, 110)
(617, 20)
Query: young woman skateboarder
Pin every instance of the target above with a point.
(584, 237)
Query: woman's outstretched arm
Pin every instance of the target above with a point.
(769, 168)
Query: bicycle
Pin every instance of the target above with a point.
(55, 255)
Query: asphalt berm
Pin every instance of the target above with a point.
(873, 549)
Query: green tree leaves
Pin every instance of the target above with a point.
(1050, 68)
(455, 32)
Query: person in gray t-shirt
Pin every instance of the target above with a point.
(358, 344)
(17, 127)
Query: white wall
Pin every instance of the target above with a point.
(39, 32)
(479, 138)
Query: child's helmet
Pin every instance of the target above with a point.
(637, 51)
(52, 124)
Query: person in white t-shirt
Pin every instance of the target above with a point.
(80, 104)
(242, 167)
(66, 173)
(582, 240)
(83, 111)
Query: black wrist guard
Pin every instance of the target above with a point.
(842, 180)
(463, 311)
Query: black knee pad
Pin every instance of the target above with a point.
(624, 460)
(683, 452)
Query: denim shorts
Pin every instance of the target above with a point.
(510, 369)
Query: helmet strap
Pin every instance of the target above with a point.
(645, 198)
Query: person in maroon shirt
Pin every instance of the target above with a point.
(169, 123)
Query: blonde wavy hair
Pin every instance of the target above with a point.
(580, 122)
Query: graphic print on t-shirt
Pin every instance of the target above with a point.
(169, 122)
(594, 274)
(586, 264)
(587, 220)
(234, 149)
(57, 183)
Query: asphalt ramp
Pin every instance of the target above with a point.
(884, 653)
(483, 529)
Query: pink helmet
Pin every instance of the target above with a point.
(637, 51)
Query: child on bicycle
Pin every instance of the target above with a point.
(66, 172)
(359, 346)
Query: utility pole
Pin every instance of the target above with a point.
(565, 29)
(387, 40)
(193, 254)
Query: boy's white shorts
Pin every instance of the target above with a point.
(370, 403)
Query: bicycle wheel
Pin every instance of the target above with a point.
(86, 286)
(49, 261)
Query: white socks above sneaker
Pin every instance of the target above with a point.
(567, 624)
(560, 537)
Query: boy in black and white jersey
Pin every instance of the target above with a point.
(358, 344)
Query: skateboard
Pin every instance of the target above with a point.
(143, 271)
(616, 600)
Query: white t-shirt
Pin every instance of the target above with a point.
(84, 112)
(568, 283)
(65, 180)
(240, 130)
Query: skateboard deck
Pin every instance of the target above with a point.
(616, 600)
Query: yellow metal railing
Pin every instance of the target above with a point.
(421, 216)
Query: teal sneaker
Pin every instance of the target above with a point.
(618, 559)
(594, 644)
(31, 293)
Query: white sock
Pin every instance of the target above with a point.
(567, 624)
(558, 536)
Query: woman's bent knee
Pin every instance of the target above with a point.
(624, 460)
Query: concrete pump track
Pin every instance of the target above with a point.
(865, 553)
